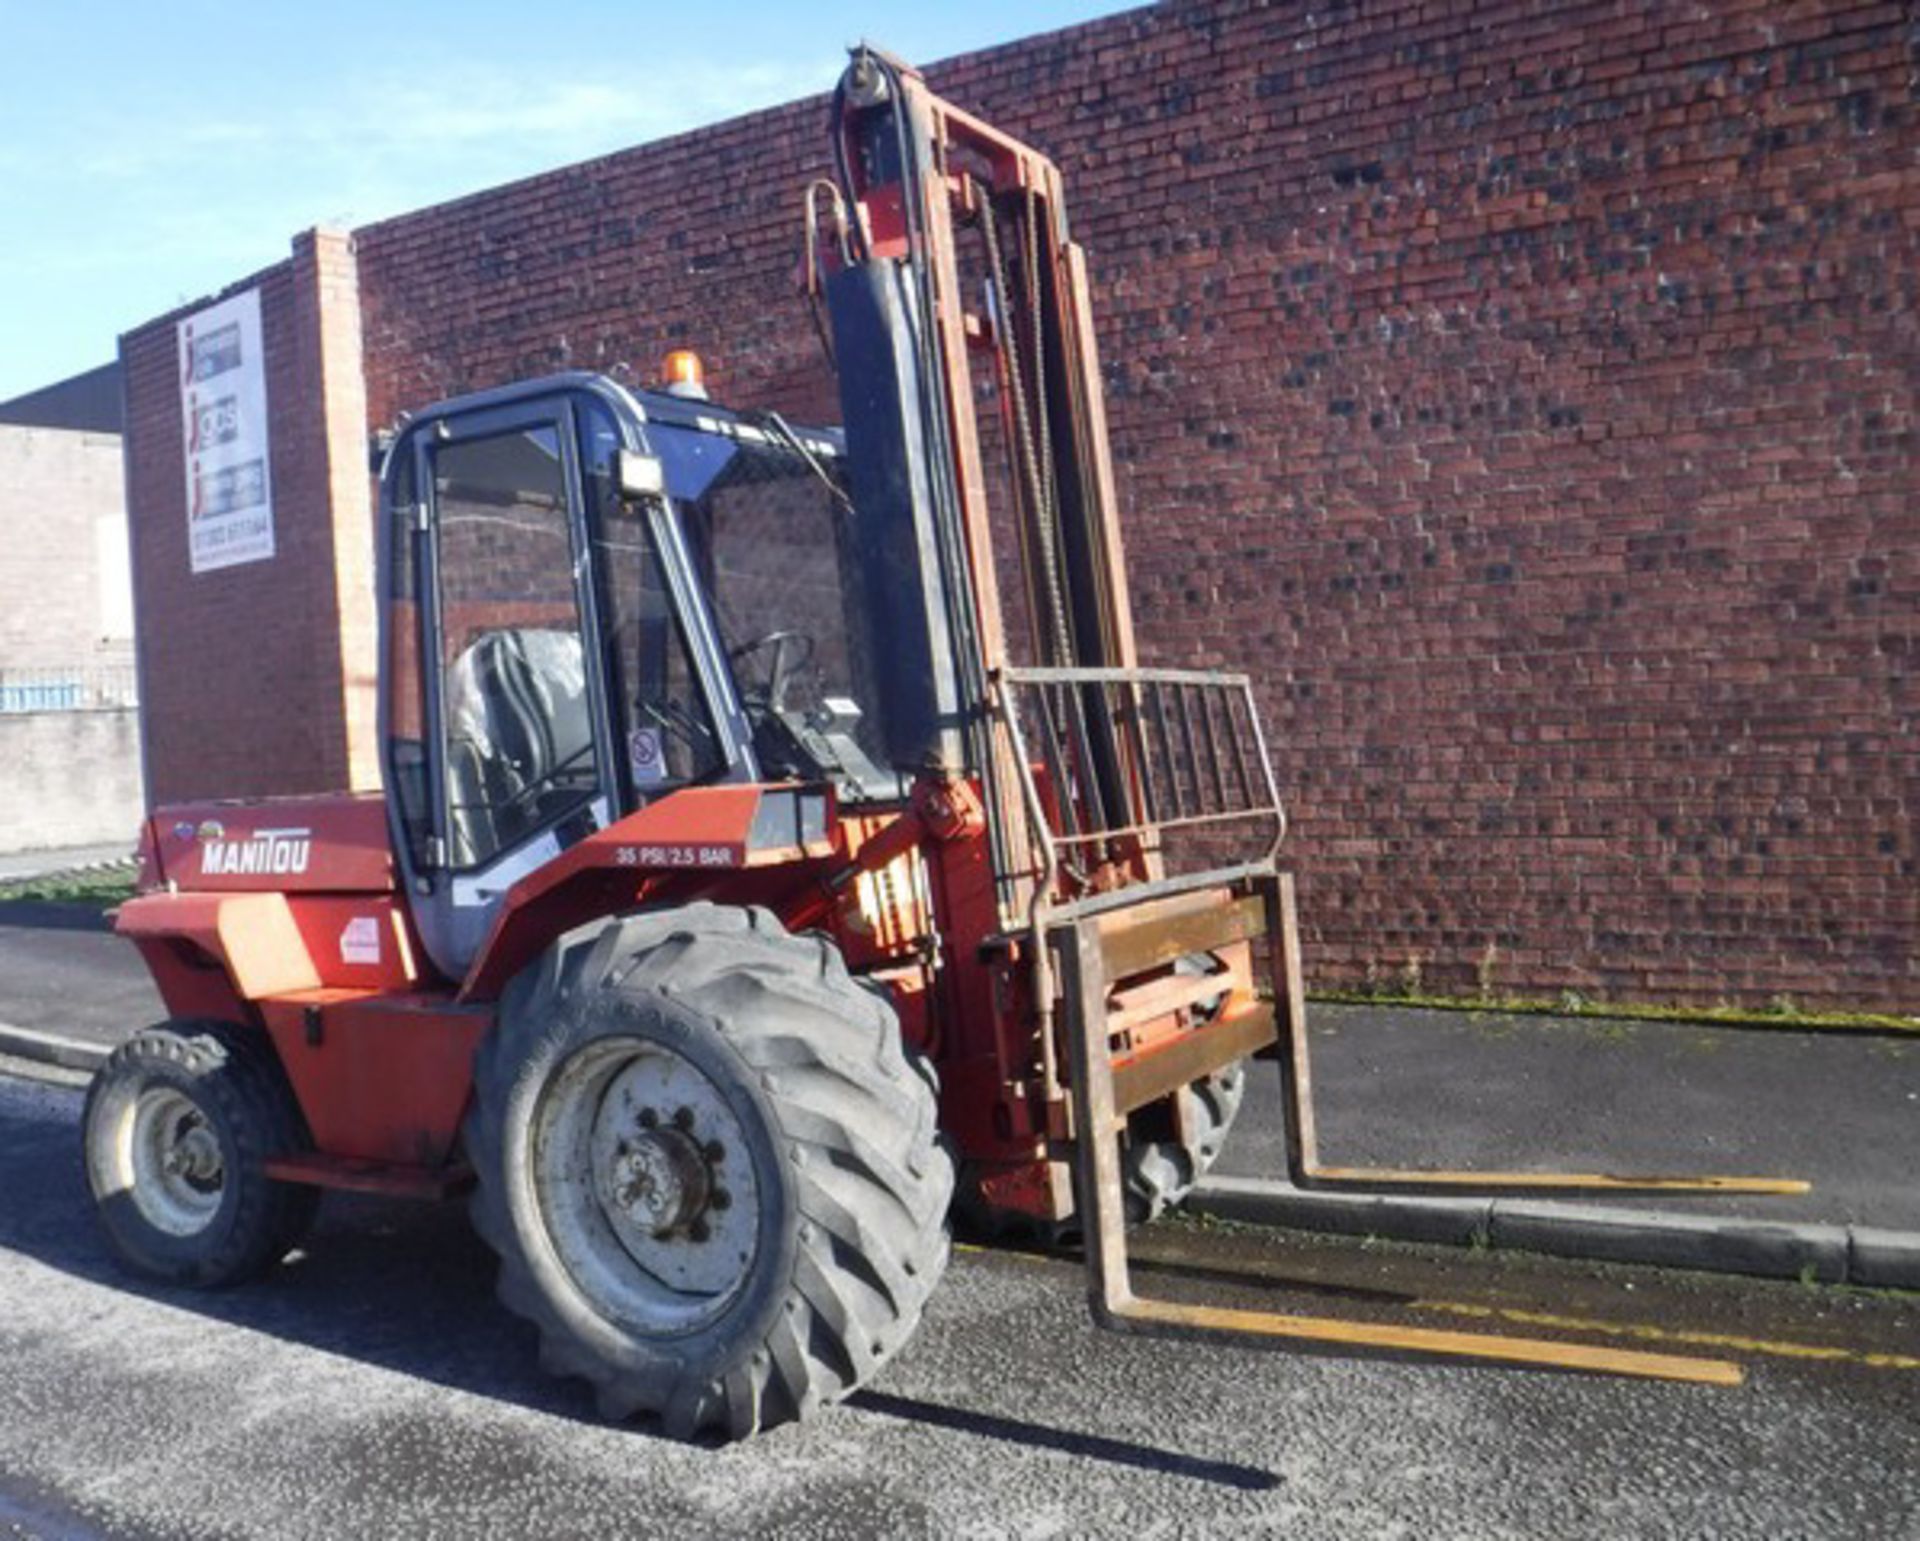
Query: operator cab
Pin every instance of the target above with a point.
(594, 598)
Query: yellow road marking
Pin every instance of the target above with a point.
(1646, 1332)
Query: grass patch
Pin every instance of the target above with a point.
(1781, 1012)
(100, 889)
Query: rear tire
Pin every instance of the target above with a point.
(179, 1124)
(645, 1070)
(1157, 1170)
(1160, 1173)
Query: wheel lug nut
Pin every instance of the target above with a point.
(648, 1118)
(721, 1199)
(683, 1118)
(698, 1230)
(715, 1151)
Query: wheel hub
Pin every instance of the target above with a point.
(645, 1184)
(660, 1179)
(172, 1159)
(194, 1157)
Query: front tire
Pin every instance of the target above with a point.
(713, 1176)
(178, 1126)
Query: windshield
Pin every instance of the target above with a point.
(771, 533)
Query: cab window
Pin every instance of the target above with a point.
(666, 730)
(516, 712)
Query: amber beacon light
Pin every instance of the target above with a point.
(685, 374)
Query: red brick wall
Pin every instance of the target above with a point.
(245, 671)
(1524, 392)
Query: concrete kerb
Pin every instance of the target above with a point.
(39, 1048)
(33, 874)
(1883, 1259)
(1829, 1254)
(1771, 1249)
(1454, 1222)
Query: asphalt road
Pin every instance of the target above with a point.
(371, 1387)
(60, 974)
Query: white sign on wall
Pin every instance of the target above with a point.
(223, 408)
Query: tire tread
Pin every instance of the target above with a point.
(859, 1122)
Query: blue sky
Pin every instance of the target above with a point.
(152, 152)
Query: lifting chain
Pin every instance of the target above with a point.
(1036, 481)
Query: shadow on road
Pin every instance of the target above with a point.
(1098, 1447)
(407, 1287)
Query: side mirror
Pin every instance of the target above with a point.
(641, 476)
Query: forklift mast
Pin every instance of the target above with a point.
(914, 176)
(1099, 777)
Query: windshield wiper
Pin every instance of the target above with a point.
(782, 430)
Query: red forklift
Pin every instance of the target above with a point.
(748, 890)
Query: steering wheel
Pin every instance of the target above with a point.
(527, 792)
(781, 667)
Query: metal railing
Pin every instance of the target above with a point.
(1109, 757)
(74, 688)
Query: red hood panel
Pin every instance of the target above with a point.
(334, 843)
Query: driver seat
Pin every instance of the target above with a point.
(517, 711)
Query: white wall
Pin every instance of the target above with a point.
(66, 628)
(69, 778)
(66, 591)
